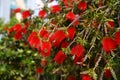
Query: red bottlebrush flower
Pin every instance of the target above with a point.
(39, 70)
(70, 16)
(18, 35)
(26, 14)
(64, 44)
(71, 77)
(19, 31)
(23, 30)
(86, 77)
(17, 10)
(78, 50)
(42, 14)
(45, 48)
(60, 57)
(34, 40)
(44, 62)
(117, 38)
(82, 5)
(17, 27)
(71, 32)
(78, 60)
(107, 73)
(55, 9)
(31, 36)
(111, 24)
(108, 44)
(57, 38)
(43, 32)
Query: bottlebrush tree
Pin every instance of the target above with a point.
(73, 40)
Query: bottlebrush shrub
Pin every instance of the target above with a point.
(78, 40)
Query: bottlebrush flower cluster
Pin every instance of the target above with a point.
(69, 34)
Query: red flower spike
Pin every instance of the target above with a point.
(24, 30)
(70, 16)
(31, 36)
(78, 60)
(71, 77)
(60, 57)
(71, 32)
(108, 44)
(107, 73)
(64, 44)
(111, 24)
(78, 50)
(43, 32)
(39, 70)
(42, 14)
(26, 14)
(17, 27)
(17, 10)
(55, 9)
(18, 35)
(86, 77)
(57, 38)
(82, 5)
(117, 38)
(33, 40)
(45, 48)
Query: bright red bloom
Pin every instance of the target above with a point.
(78, 50)
(70, 16)
(117, 38)
(107, 73)
(15, 28)
(39, 70)
(86, 77)
(60, 57)
(34, 40)
(111, 24)
(18, 35)
(71, 32)
(57, 38)
(108, 44)
(44, 33)
(64, 44)
(31, 36)
(42, 14)
(26, 14)
(82, 5)
(55, 9)
(17, 10)
(45, 48)
(18, 31)
(78, 60)
(71, 77)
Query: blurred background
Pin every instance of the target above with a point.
(7, 6)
